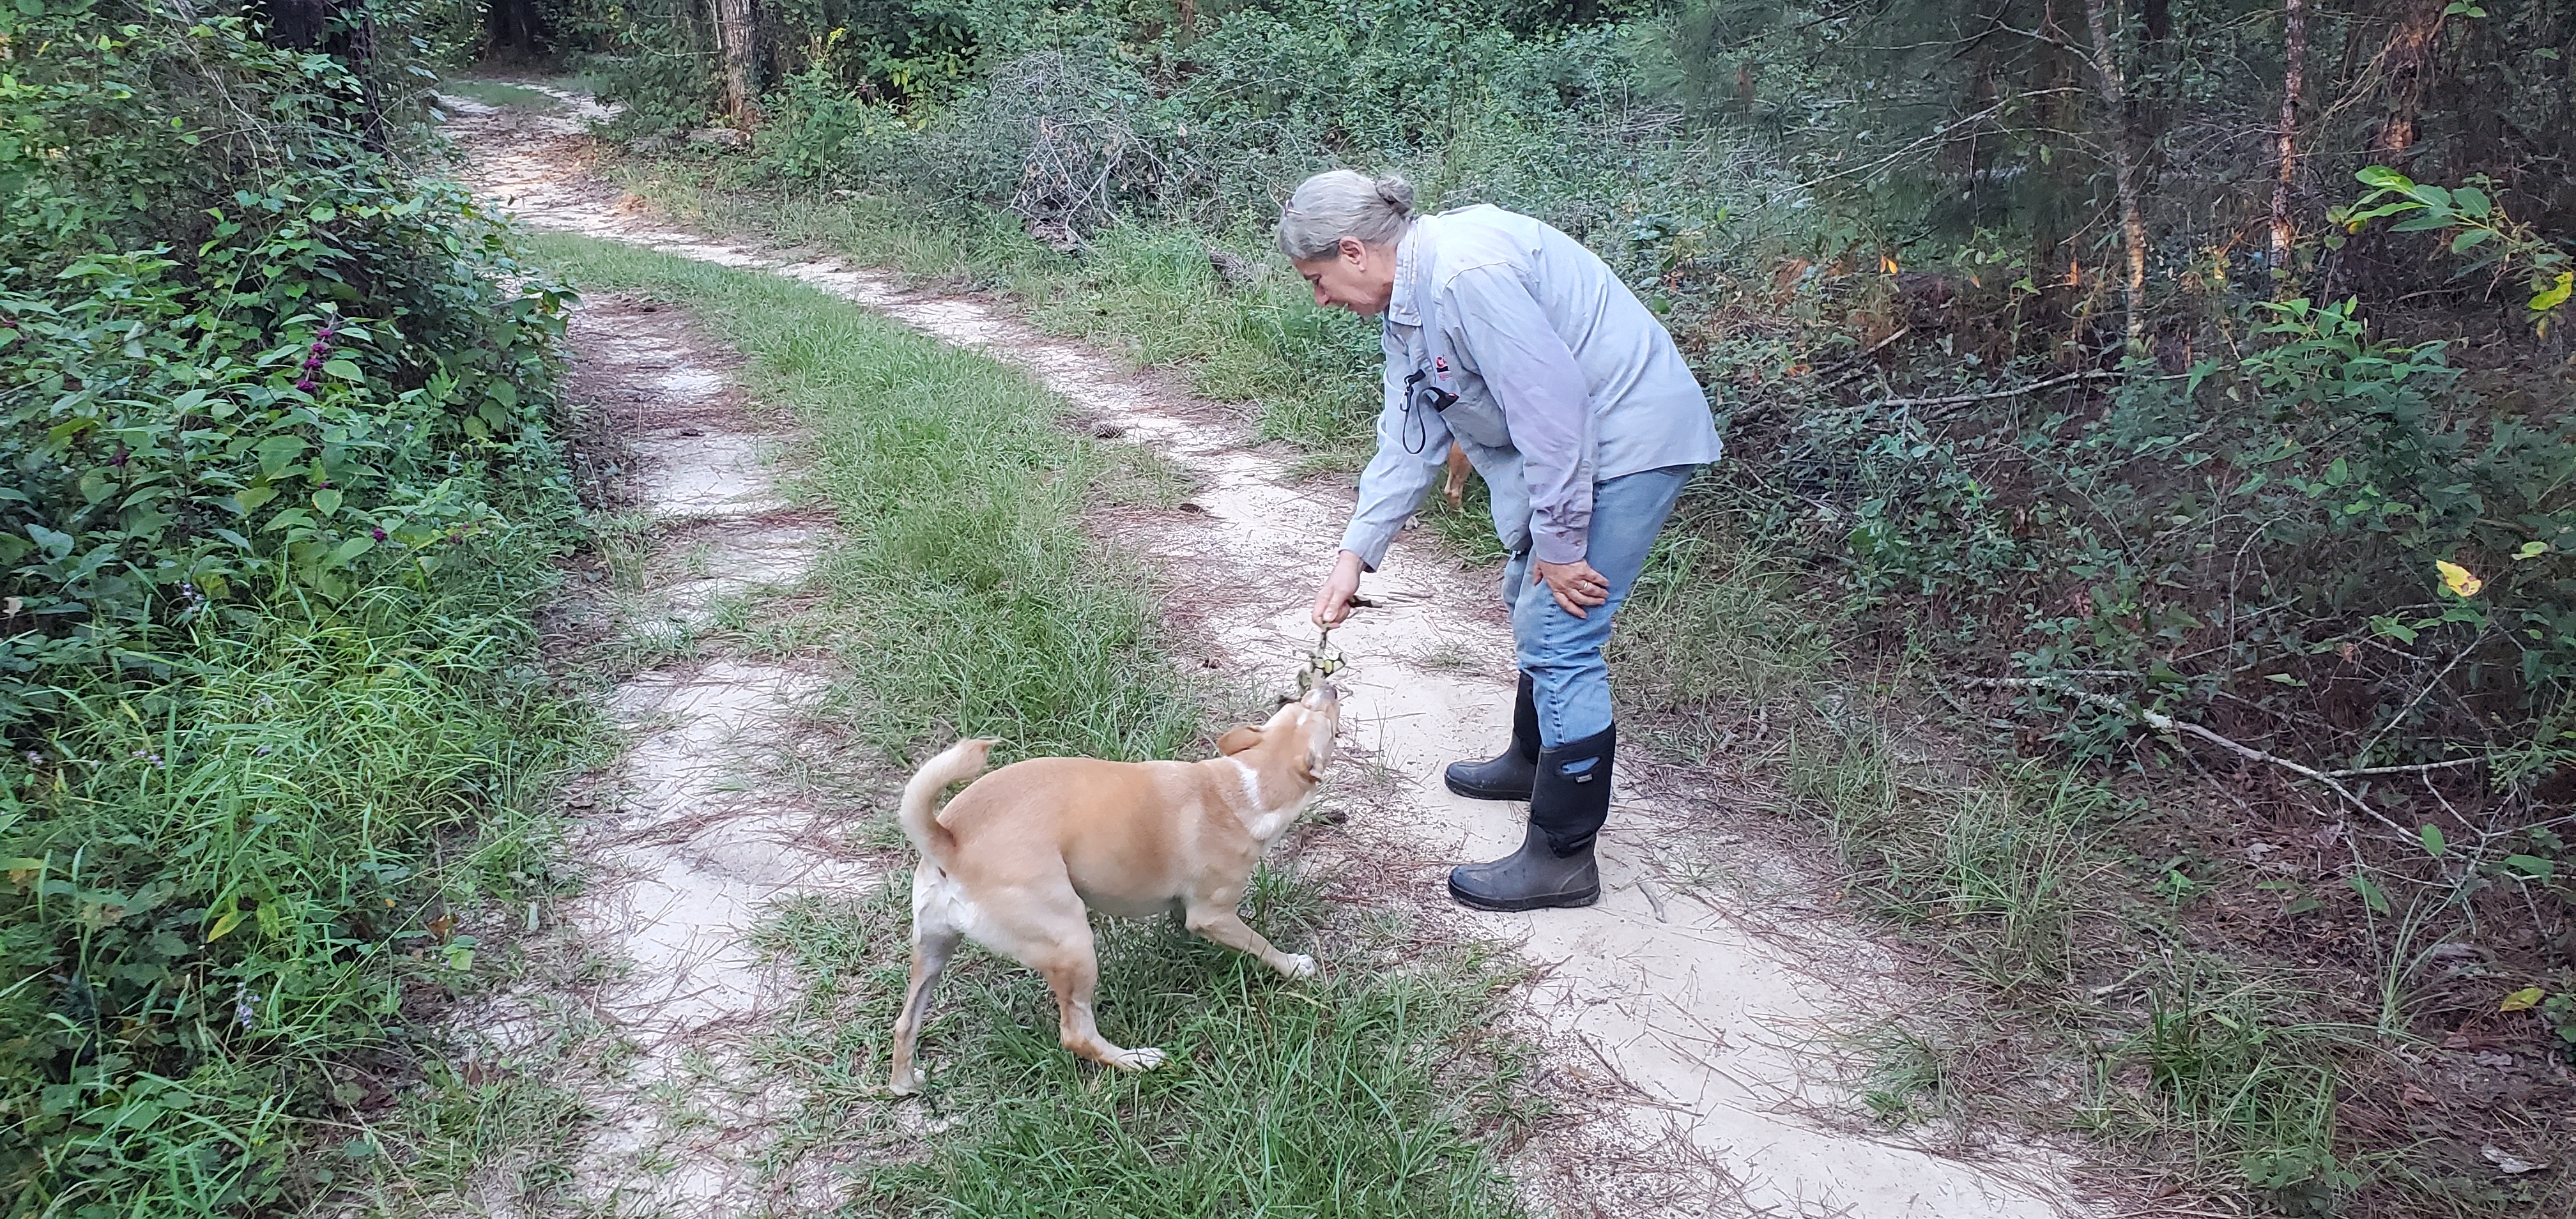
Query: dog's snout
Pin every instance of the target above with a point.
(1323, 695)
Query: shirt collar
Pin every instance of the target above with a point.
(1401, 308)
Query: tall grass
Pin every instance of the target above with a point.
(964, 596)
(229, 895)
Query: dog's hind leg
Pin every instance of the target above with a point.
(936, 929)
(1216, 920)
(1073, 972)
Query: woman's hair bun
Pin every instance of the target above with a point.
(1397, 192)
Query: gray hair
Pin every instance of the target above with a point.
(1338, 203)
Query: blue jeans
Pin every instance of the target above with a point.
(1562, 653)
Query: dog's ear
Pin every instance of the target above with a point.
(1237, 740)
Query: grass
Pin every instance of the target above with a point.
(232, 893)
(1351, 1094)
(965, 597)
(1151, 293)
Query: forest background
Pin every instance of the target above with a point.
(2173, 397)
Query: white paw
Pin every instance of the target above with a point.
(1296, 965)
(905, 1085)
(1139, 1059)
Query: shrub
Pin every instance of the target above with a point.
(280, 493)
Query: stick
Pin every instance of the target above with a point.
(2171, 726)
(2089, 374)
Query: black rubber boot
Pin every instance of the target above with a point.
(1511, 774)
(1554, 866)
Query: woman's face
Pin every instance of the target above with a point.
(1356, 277)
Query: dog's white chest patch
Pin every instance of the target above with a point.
(1263, 823)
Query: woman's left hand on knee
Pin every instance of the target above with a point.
(1574, 585)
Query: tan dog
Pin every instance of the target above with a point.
(1016, 858)
(1455, 489)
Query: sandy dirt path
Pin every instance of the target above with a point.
(1675, 1022)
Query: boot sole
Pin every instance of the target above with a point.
(1515, 905)
(1484, 793)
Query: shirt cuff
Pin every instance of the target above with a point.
(1552, 545)
(1369, 544)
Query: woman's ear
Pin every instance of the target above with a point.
(1237, 740)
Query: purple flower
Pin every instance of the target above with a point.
(377, 533)
(122, 455)
(306, 385)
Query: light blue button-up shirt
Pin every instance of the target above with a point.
(1562, 379)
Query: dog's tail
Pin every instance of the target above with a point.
(960, 762)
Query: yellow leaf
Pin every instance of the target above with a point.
(224, 926)
(2520, 1001)
(2458, 580)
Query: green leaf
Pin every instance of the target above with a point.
(350, 549)
(2370, 893)
(2432, 836)
(2469, 237)
(224, 926)
(2521, 1001)
(2384, 178)
(2556, 294)
(327, 499)
(2531, 867)
(346, 371)
(2473, 203)
(248, 499)
(2531, 550)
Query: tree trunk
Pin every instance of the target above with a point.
(1189, 16)
(2124, 166)
(2294, 39)
(735, 28)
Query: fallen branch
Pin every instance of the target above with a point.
(2173, 727)
(2089, 374)
(2418, 768)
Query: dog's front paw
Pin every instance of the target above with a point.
(1139, 1059)
(1296, 965)
(907, 1084)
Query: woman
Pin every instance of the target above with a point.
(1513, 341)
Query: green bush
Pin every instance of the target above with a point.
(281, 492)
(322, 385)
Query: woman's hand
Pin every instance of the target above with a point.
(1333, 603)
(1574, 585)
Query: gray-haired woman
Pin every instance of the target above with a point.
(1518, 344)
